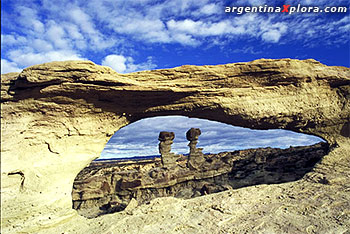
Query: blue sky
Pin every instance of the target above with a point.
(152, 34)
(147, 34)
(216, 137)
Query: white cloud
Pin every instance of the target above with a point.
(311, 2)
(117, 62)
(246, 50)
(152, 30)
(66, 29)
(63, 35)
(185, 39)
(159, 23)
(26, 15)
(188, 26)
(123, 64)
(7, 66)
(38, 26)
(249, 2)
(12, 40)
(141, 137)
(148, 65)
(195, 29)
(272, 32)
(86, 25)
(29, 59)
(56, 35)
(82, 19)
(41, 45)
(323, 31)
(271, 36)
(249, 25)
(179, 8)
(73, 31)
(210, 9)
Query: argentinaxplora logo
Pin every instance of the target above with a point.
(286, 9)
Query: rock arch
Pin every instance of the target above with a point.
(57, 117)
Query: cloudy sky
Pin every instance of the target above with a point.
(147, 34)
(216, 137)
(152, 34)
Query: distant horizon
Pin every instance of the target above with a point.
(187, 154)
(141, 138)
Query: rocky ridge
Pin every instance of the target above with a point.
(108, 187)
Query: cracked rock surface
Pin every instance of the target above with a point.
(57, 117)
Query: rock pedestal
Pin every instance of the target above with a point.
(166, 140)
(195, 158)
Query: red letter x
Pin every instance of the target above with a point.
(285, 8)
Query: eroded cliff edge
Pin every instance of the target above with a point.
(57, 117)
(110, 186)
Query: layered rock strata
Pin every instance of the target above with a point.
(195, 157)
(109, 187)
(166, 140)
(57, 117)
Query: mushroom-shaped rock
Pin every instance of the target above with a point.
(195, 158)
(166, 136)
(193, 134)
(168, 158)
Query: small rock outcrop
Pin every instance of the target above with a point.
(195, 157)
(110, 186)
(166, 140)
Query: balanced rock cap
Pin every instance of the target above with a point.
(165, 136)
(193, 134)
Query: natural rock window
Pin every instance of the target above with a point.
(57, 117)
(198, 157)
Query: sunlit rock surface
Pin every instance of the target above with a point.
(57, 117)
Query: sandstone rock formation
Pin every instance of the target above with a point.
(195, 157)
(108, 187)
(166, 140)
(57, 117)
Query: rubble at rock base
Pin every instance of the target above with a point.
(109, 187)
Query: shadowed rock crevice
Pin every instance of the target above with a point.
(345, 130)
(108, 187)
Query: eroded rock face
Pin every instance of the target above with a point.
(165, 142)
(195, 158)
(108, 187)
(57, 117)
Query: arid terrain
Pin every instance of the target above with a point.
(109, 186)
(57, 117)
